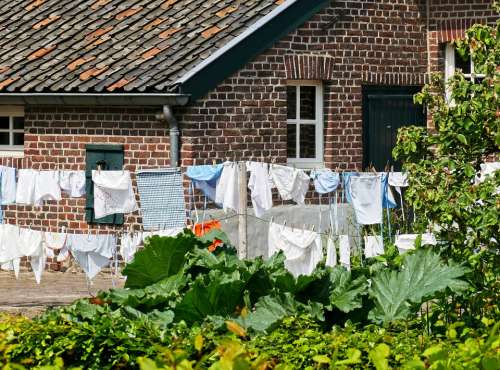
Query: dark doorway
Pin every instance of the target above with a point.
(385, 110)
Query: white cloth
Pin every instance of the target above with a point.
(8, 185)
(344, 251)
(331, 253)
(260, 187)
(9, 252)
(398, 179)
(406, 242)
(366, 196)
(93, 252)
(374, 246)
(172, 232)
(302, 248)
(227, 189)
(25, 192)
(113, 193)
(129, 245)
(47, 186)
(291, 183)
(72, 183)
(31, 245)
(56, 241)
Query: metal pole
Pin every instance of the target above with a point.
(242, 214)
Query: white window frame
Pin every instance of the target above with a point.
(450, 68)
(11, 150)
(318, 122)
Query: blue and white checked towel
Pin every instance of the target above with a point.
(162, 198)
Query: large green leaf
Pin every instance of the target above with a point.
(161, 258)
(397, 293)
(221, 296)
(346, 293)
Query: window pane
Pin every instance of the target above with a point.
(18, 123)
(291, 102)
(4, 123)
(462, 64)
(18, 138)
(4, 138)
(308, 102)
(307, 141)
(291, 141)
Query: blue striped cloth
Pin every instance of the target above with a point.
(162, 198)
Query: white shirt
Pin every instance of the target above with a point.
(113, 193)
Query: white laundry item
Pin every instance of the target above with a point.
(302, 248)
(171, 232)
(31, 244)
(25, 192)
(366, 196)
(331, 253)
(344, 251)
(374, 246)
(227, 189)
(291, 183)
(113, 193)
(398, 179)
(406, 242)
(8, 185)
(129, 245)
(63, 254)
(260, 187)
(428, 239)
(47, 186)
(72, 183)
(55, 240)
(93, 252)
(10, 255)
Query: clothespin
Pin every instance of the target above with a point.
(214, 162)
(99, 169)
(392, 168)
(194, 161)
(271, 220)
(312, 228)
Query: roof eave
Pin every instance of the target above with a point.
(91, 99)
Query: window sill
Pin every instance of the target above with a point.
(305, 165)
(5, 153)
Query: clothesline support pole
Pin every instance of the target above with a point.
(242, 214)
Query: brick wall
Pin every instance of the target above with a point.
(55, 138)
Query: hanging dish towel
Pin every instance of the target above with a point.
(290, 182)
(260, 187)
(72, 183)
(227, 190)
(374, 246)
(92, 252)
(406, 242)
(345, 251)
(47, 186)
(366, 197)
(302, 248)
(8, 185)
(25, 192)
(205, 178)
(325, 181)
(162, 198)
(130, 242)
(10, 255)
(331, 253)
(113, 193)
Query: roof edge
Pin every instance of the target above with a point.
(107, 99)
(247, 45)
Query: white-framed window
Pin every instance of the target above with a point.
(11, 130)
(454, 62)
(305, 123)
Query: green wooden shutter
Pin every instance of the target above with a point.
(111, 159)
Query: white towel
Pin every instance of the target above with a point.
(8, 185)
(113, 193)
(260, 187)
(331, 253)
(374, 246)
(366, 196)
(227, 189)
(344, 251)
(25, 192)
(47, 186)
(73, 183)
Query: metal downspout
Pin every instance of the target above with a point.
(174, 135)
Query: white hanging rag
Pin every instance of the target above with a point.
(47, 186)
(10, 255)
(227, 189)
(56, 241)
(374, 246)
(170, 232)
(31, 245)
(366, 196)
(129, 244)
(25, 192)
(8, 185)
(260, 187)
(398, 179)
(331, 253)
(302, 248)
(291, 183)
(72, 183)
(345, 251)
(113, 193)
(93, 252)
(406, 242)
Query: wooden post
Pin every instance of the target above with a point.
(242, 218)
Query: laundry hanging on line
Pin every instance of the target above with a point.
(205, 177)
(72, 183)
(113, 193)
(260, 186)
